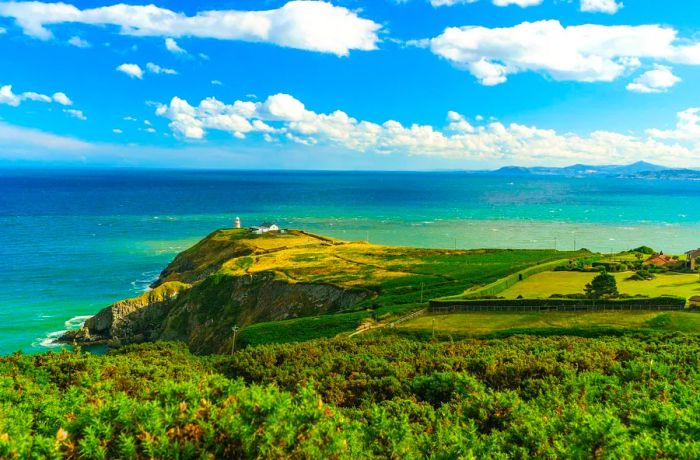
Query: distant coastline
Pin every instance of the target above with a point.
(638, 170)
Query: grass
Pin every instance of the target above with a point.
(543, 285)
(393, 274)
(480, 324)
(301, 329)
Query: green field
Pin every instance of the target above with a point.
(387, 281)
(543, 285)
(478, 324)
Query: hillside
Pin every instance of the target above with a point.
(292, 286)
(380, 396)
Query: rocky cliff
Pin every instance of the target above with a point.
(197, 301)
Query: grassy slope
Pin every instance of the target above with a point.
(479, 324)
(393, 275)
(545, 284)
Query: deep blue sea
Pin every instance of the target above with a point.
(72, 242)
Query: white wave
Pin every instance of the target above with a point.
(76, 322)
(143, 284)
(50, 340)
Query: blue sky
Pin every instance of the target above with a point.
(417, 84)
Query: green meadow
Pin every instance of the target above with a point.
(543, 285)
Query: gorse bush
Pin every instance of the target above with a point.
(635, 396)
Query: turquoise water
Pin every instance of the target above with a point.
(72, 242)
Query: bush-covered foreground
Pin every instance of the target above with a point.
(610, 397)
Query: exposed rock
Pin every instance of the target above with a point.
(203, 315)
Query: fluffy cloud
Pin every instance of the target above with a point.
(687, 128)
(281, 117)
(657, 80)
(308, 25)
(8, 97)
(135, 71)
(75, 114)
(172, 46)
(62, 99)
(156, 69)
(78, 42)
(132, 70)
(586, 53)
(600, 6)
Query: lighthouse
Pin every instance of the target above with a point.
(237, 223)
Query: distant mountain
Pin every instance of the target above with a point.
(640, 169)
(674, 174)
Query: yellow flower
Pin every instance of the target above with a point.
(61, 435)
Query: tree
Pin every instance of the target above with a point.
(603, 285)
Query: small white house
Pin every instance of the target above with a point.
(266, 227)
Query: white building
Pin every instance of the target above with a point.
(266, 227)
(237, 223)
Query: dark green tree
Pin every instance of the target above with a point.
(603, 285)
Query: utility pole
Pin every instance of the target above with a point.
(433, 327)
(234, 329)
(421, 292)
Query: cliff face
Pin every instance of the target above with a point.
(202, 310)
(205, 316)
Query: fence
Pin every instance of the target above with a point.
(563, 305)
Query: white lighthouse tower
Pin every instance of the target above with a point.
(237, 223)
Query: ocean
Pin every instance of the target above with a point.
(73, 241)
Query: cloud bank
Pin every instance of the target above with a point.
(584, 53)
(302, 24)
(283, 118)
(8, 97)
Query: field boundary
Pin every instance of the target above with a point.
(524, 305)
(502, 284)
(408, 317)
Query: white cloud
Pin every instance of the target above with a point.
(78, 42)
(657, 80)
(62, 99)
(172, 46)
(132, 70)
(135, 71)
(156, 69)
(3, 30)
(585, 53)
(32, 96)
(117, 131)
(216, 83)
(281, 117)
(600, 6)
(308, 25)
(520, 3)
(129, 119)
(75, 114)
(8, 97)
(687, 128)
